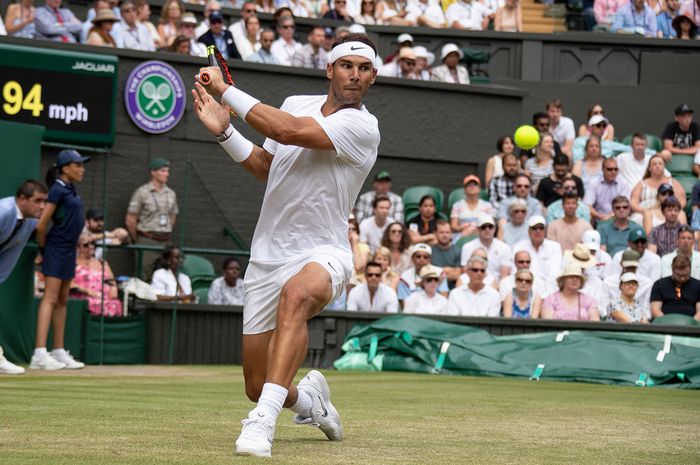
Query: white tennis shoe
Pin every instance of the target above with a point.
(9, 368)
(47, 362)
(67, 359)
(323, 415)
(256, 436)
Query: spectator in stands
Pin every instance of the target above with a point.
(445, 254)
(686, 245)
(266, 6)
(509, 17)
(373, 295)
(569, 303)
(561, 127)
(421, 228)
(403, 67)
(489, 280)
(95, 231)
(540, 121)
(521, 300)
(143, 11)
(591, 239)
(368, 13)
(601, 193)
(429, 301)
(389, 276)
(541, 165)
(264, 55)
(634, 164)
(695, 204)
(663, 238)
(502, 186)
(614, 234)
(678, 293)
(425, 13)
(606, 148)
(360, 250)
(588, 129)
(212, 5)
(404, 40)
(494, 166)
(227, 289)
(475, 298)
(450, 70)
(169, 18)
(424, 60)
(217, 35)
(317, 8)
(152, 211)
(397, 240)
(514, 229)
(180, 45)
(631, 261)
(420, 257)
(541, 286)
(312, 55)
(567, 231)
(372, 228)
(19, 21)
(635, 18)
(692, 9)
(648, 262)
(99, 34)
(88, 283)
(466, 212)
(339, 11)
(498, 252)
(467, 14)
(380, 187)
(590, 168)
(685, 27)
(166, 287)
(555, 210)
(57, 251)
(584, 257)
(55, 23)
(92, 12)
(300, 8)
(644, 193)
(129, 33)
(627, 308)
(249, 43)
(664, 20)
(545, 253)
(550, 188)
(653, 216)
(186, 29)
(393, 12)
(682, 137)
(285, 46)
(605, 11)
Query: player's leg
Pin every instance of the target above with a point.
(58, 323)
(255, 353)
(41, 358)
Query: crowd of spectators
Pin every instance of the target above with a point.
(546, 234)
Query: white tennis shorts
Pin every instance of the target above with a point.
(263, 284)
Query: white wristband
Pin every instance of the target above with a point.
(239, 101)
(238, 147)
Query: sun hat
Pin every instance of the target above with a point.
(580, 256)
(449, 48)
(571, 270)
(422, 52)
(105, 14)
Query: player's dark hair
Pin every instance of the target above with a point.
(380, 198)
(356, 37)
(228, 261)
(29, 187)
(538, 115)
(501, 141)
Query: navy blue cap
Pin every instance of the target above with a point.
(66, 157)
(216, 16)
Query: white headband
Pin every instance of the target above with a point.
(352, 48)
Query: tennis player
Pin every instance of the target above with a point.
(318, 152)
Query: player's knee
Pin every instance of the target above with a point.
(292, 299)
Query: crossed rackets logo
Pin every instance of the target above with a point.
(154, 96)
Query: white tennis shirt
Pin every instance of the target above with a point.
(310, 193)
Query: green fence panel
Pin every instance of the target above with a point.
(124, 340)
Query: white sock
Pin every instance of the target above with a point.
(59, 352)
(303, 404)
(272, 400)
(40, 352)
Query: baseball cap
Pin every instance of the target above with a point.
(682, 109)
(95, 214)
(329, 32)
(429, 271)
(405, 38)
(637, 234)
(158, 163)
(486, 219)
(357, 29)
(627, 277)
(595, 119)
(630, 258)
(420, 247)
(665, 187)
(382, 176)
(535, 220)
(215, 16)
(68, 156)
(591, 239)
(471, 178)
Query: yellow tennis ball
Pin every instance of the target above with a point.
(527, 137)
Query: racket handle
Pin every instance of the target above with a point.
(205, 78)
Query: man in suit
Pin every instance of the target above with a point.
(222, 38)
(18, 220)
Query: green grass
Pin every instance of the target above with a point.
(190, 415)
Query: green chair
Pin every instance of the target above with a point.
(201, 283)
(202, 295)
(454, 197)
(195, 267)
(676, 319)
(412, 196)
(484, 194)
(464, 240)
(681, 164)
(687, 181)
(653, 142)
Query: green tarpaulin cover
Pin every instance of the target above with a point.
(409, 343)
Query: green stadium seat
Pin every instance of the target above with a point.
(195, 267)
(201, 283)
(464, 240)
(681, 164)
(454, 197)
(202, 295)
(484, 194)
(654, 142)
(412, 196)
(687, 181)
(676, 319)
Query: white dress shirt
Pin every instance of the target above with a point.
(385, 299)
(462, 301)
(163, 283)
(498, 252)
(419, 302)
(548, 257)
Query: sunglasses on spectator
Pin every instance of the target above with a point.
(640, 241)
(523, 280)
(666, 193)
(422, 257)
(395, 231)
(287, 26)
(537, 228)
(602, 124)
(410, 62)
(477, 270)
(373, 275)
(522, 186)
(570, 188)
(486, 226)
(252, 10)
(524, 261)
(519, 211)
(621, 207)
(612, 169)
(429, 280)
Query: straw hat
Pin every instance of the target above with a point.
(580, 256)
(105, 14)
(570, 270)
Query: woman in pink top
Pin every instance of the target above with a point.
(569, 303)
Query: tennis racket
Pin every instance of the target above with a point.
(215, 58)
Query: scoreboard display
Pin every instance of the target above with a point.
(71, 94)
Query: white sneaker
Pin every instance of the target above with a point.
(47, 362)
(9, 368)
(256, 436)
(323, 415)
(67, 359)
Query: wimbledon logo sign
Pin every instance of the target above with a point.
(154, 95)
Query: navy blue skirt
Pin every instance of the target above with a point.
(59, 261)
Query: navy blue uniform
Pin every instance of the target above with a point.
(62, 238)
